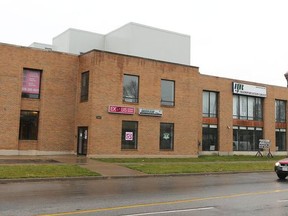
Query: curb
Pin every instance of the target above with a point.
(22, 180)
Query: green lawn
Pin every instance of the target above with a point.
(43, 171)
(202, 164)
(212, 158)
(170, 168)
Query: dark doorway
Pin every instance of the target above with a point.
(82, 141)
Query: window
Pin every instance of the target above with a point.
(209, 138)
(166, 136)
(209, 104)
(28, 125)
(167, 93)
(84, 86)
(281, 139)
(131, 88)
(31, 83)
(247, 108)
(280, 111)
(246, 138)
(129, 135)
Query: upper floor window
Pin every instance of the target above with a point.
(31, 83)
(167, 93)
(248, 108)
(131, 88)
(280, 111)
(84, 86)
(209, 108)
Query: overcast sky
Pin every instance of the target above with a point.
(238, 39)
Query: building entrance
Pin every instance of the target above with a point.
(82, 141)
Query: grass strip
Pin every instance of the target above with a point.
(43, 171)
(209, 158)
(202, 167)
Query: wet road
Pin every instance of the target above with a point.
(228, 194)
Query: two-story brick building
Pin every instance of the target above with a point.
(115, 100)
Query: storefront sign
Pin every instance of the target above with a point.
(31, 82)
(264, 143)
(250, 90)
(121, 110)
(150, 112)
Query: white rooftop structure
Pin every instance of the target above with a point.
(131, 39)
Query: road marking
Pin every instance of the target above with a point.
(170, 212)
(164, 203)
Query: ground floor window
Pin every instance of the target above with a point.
(281, 139)
(246, 138)
(129, 134)
(209, 137)
(166, 136)
(28, 125)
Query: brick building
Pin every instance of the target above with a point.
(119, 102)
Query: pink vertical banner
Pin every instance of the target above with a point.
(31, 82)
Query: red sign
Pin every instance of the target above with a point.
(121, 110)
(31, 82)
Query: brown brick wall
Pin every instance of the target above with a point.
(106, 80)
(56, 104)
(61, 111)
(225, 127)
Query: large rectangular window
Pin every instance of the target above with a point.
(31, 83)
(129, 135)
(247, 108)
(280, 111)
(209, 138)
(28, 125)
(167, 93)
(246, 138)
(131, 89)
(281, 139)
(84, 86)
(166, 136)
(209, 108)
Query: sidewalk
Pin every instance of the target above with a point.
(104, 169)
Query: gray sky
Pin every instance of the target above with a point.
(241, 39)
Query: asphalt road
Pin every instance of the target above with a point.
(226, 194)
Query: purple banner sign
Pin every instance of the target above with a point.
(31, 82)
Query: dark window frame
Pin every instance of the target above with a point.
(257, 107)
(127, 96)
(168, 103)
(129, 144)
(242, 136)
(280, 110)
(210, 114)
(166, 146)
(280, 139)
(84, 90)
(26, 130)
(210, 129)
(31, 95)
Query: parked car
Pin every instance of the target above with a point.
(281, 168)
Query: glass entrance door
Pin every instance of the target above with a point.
(82, 141)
